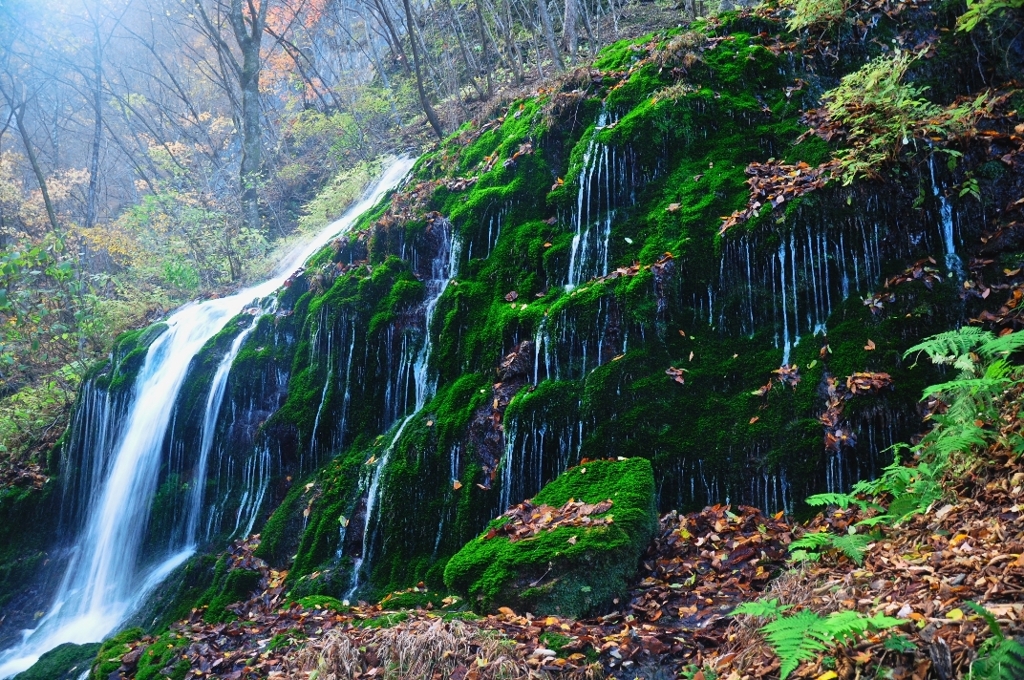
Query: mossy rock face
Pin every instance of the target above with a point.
(229, 586)
(108, 659)
(569, 570)
(127, 358)
(65, 662)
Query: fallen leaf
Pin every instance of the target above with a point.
(870, 346)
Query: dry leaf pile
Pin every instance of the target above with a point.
(773, 183)
(526, 519)
(837, 435)
(924, 271)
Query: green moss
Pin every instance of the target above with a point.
(108, 659)
(229, 586)
(554, 641)
(164, 658)
(280, 535)
(322, 602)
(569, 570)
(180, 593)
(64, 662)
(127, 357)
(384, 621)
(28, 521)
(689, 136)
(418, 599)
(287, 639)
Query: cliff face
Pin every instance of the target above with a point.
(554, 283)
(598, 307)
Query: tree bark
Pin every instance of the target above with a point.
(549, 33)
(97, 133)
(19, 118)
(424, 102)
(484, 52)
(249, 39)
(570, 29)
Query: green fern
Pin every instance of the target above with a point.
(765, 609)
(810, 546)
(974, 397)
(852, 545)
(999, 657)
(797, 638)
(842, 500)
(982, 11)
(805, 635)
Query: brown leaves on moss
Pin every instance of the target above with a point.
(924, 270)
(527, 519)
(773, 183)
(837, 434)
(787, 374)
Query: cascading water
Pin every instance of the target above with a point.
(443, 268)
(953, 263)
(605, 181)
(106, 579)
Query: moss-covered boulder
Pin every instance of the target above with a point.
(563, 559)
(64, 662)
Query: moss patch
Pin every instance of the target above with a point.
(108, 659)
(570, 571)
(64, 662)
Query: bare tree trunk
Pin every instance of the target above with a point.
(385, 17)
(457, 28)
(424, 102)
(19, 118)
(484, 52)
(570, 29)
(249, 39)
(97, 133)
(549, 33)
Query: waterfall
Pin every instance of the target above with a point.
(213, 403)
(443, 268)
(106, 579)
(953, 262)
(606, 180)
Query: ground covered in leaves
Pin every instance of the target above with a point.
(677, 619)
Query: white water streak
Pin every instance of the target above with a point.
(105, 581)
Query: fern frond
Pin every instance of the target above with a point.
(945, 347)
(846, 625)
(1001, 345)
(805, 635)
(766, 609)
(815, 541)
(843, 500)
(800, 556)
(1005, 661)
(993, 625)
(797, 638)
(961, 440)
(972, 386)
(852, 545)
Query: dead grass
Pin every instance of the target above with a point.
(798, 587)
(416, 650)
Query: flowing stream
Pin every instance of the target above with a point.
(105, 582)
